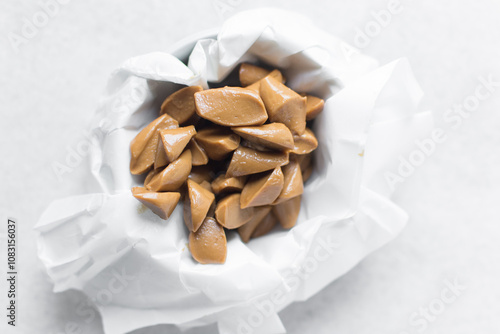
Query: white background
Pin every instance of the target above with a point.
(51, 85)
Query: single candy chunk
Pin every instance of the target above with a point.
(201, 173)
(196, 205)
(143, 147)
(283, 105)
(180, 105)
(162, 204)
(265, 226)
(250, 73)
(314, 105)
(287, 212)
(173, 176)
(229, 213)
(305, 143)
(293, 183)
(274, 74)
(227, 184)
(217, 142)
(208, 245)
(247, 230)
(275, 135)
(200, 157)
(247, 161)
(262, 189)
(231, 106)
(175, 140)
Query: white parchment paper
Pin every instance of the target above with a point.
(137, 268)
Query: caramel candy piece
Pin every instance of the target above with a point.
(265, 226)
(229, 213)
(304, 160)
(262, 189)
(306, 143)
(208, 245)
(217, 142)
(162, 204)
(173, 176)
(205, 184)
(200, 157)
(246, 230)
(231, 106)
(275, 135)
(201, 173)
(150, 176)
(314, 105)
(226, 184)
(196, 205)
(175, 140)
(293, 184)
(250, 73)
(274, 74)
(180, 105)
(249, 161)
(287, 212)
(143, 147)
(306, 174)
(283, 105)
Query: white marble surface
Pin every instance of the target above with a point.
(50, 87)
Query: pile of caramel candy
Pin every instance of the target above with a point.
(238, 157)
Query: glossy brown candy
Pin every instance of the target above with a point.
(248, 228)
(229, 213)
(162, 204)
(314, 106)
(200, 157)
(208, 244)
(201, 173)
(231, 106)
(262, 189)
(173, 176)
(274, 135)
(305, 143)
(265, 226)
(196, 205)
(293, 184)
(275, 74)
(228, 184)
(287, 212)
(247, 161)
(143, 147)
(217, 142)
(172, 144)
(180, 105)
(283, 105)
(249, 74)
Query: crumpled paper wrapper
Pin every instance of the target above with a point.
(137, 268)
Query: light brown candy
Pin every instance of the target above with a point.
(265, 226)
(229, 213)
(173, 176)
(273, 74)
(274, 135)
(200, 157)
(262, 189)
(217, 142)
(196, 205)
(250, 73)
(143, 147)
(246, 230)
(293, 184)
(228, 184)
(201, 173)
(231, 106)
(162, 204)
(314, 106)
(304, 160)
(150, 176)
(305, 143)
(208, 244)
(173, 142)
(306, 173)
(283, 105)
(287, 212)
(247, 161)
(180, 105)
